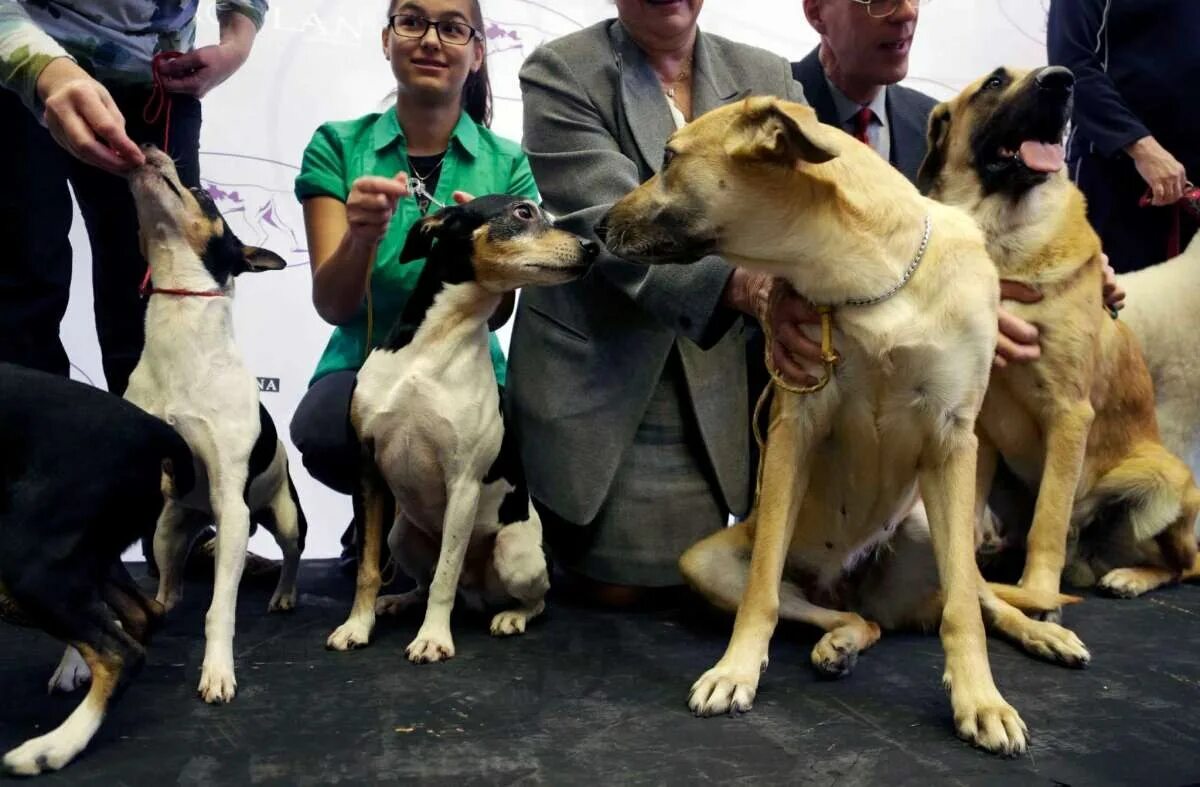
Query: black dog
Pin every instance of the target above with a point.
(83, 474)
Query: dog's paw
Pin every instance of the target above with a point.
(723, 690)
(983, 718)
(430, 647)
(72, 673)
(354, 633)
(397, 604)
(217, 684)
(509, 622)
(835, 655)
(1052, 642)
(41, 755)
(282, 601)
(1126, 582)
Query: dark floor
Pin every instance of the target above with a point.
(595, 697)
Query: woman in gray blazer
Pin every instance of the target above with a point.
(629, 387)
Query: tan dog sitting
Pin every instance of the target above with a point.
(914, 297)
(1079, 424)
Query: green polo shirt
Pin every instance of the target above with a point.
(477, 162)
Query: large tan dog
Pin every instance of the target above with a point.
(767, 186)
(1079, 424)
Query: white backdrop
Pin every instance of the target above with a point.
(318, 60)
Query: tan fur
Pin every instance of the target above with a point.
(1079, 423)
(769, 188)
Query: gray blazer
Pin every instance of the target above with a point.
(586, 356)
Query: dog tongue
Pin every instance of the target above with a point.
(1043, 156)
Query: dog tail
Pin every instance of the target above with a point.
(179, 474)
(1029, 601)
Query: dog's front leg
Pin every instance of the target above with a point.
(356, 631)
(1066, 444)
(947, 482)
(731, 684)
(217, 681)
(434, 641)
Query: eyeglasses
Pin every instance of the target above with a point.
(449, 31)
(883, 8)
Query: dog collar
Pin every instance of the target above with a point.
(912, 268)
(146, 290)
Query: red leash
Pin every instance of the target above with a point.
(1191, 201)
(146, 290)
(158, 104)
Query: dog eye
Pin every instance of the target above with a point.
(668, 154)
(993, 83)
(523, 212)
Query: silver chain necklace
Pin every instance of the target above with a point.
(912, 268)
(419, 189)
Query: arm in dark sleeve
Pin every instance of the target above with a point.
(1075, 39)
(581, 172)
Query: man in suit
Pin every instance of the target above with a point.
(628, 388)
(851, 78)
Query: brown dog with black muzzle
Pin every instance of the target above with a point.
(1078, 425)
(913, 298)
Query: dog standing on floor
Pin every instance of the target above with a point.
(1114, 506)
(192, 376)
(427, 410)
(83, 475)
(764, 184)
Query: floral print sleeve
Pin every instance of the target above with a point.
(24, 51)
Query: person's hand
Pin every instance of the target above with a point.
(1017, 341)
(751, 293)
(199, 71)
(461, 197)
(1162, 172)
(1114, 294)
(84, 120)
(371, 205)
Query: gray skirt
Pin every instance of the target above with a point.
(663, 499)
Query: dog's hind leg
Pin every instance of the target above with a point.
(1040, 638)
(434, 641)
(177, 527)
(415, 553)
(356, 631)
(285, 520)
(1157, 485)
(718, 567)
(111, 655)
(520, 564)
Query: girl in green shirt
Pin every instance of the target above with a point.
(365, 182)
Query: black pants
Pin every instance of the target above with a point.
(1133, 237)
(35, 217)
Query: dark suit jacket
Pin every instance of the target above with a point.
(586, 356)
(908, 113)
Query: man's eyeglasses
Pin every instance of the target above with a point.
(449, 31)
(881, 8)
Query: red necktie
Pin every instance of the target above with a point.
(862, 123)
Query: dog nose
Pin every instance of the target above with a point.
(590, 247)
(1055, 78)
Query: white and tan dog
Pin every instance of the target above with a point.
(427, 410)
(192, 376)
(915, 298)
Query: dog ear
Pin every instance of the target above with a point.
(259, 259)
(420, 238)
(769, 132)
(935, 148)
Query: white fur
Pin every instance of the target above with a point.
(58, 747)
(432, 414)
(1163, 309)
